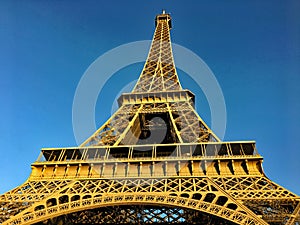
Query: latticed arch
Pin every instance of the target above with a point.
(137, 214)
(52, 208)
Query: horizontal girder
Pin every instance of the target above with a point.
(205, 193)
(196, 194)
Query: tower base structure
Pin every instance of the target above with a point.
(154, 161)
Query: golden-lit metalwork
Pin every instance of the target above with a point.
(121, 174)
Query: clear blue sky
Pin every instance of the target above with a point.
(253, 48)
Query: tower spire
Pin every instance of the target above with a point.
(159, 72)
(157, 93)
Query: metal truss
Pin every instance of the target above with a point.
(158, 92)
(159, 72)
(126, 126)
(141, 214)
(189, 193)
(201, 194)
(154, 161)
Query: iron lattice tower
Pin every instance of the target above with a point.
(154, 161)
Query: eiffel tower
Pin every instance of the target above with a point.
(154, 161)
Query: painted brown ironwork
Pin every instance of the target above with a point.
(154, 161)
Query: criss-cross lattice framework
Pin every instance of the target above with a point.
(154, 161)
(158, 93)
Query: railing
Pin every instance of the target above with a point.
(208, 150)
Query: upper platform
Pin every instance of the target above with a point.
(164, 16)
(156, 97)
